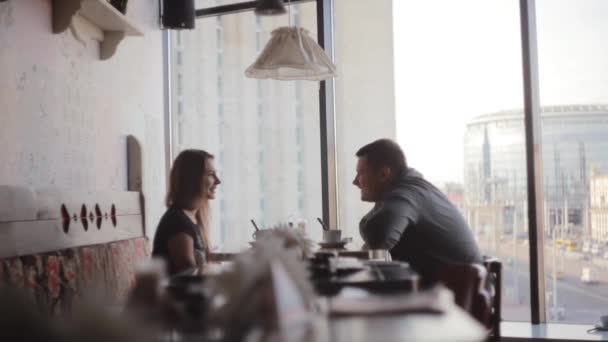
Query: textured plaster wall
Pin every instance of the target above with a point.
(365, 94)
(65, 114)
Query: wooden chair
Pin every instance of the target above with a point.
(61, 247)
(494, 286)
(468, 283)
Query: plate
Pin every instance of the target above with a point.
(383, 263)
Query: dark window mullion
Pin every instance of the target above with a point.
(327, 119)
(235, 8)
(533, 159)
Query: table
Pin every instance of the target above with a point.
(394, 277)
(359, 254)
(454, 325)
(227, 256)
(222, 256)
(383, 279)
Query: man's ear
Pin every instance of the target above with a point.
(386, 174)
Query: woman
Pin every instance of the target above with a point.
(182, 237)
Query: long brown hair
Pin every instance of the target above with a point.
(187, 186)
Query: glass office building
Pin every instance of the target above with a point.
(573, 147)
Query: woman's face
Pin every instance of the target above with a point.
(210, 180)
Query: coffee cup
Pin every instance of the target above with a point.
(332, 236)
(604, 321)
(379, 255)
(258, 234)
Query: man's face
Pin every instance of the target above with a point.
(371, 182)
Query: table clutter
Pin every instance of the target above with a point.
(282, 290)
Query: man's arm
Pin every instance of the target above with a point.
(383, 230)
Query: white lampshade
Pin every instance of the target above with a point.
(292, 55)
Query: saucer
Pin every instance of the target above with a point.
(388, 264)
(339, 244)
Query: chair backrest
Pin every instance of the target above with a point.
(467, 281)
(36, 221)
(494, 285)
(62, 246)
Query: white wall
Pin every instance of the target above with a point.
(365, 94)
(65, 114)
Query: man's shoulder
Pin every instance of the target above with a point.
(409, 188)
(412, 182)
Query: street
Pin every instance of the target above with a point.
(574, 302)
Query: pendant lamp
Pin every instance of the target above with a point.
(291, 54)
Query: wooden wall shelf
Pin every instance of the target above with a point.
(93, 20)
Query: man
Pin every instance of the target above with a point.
(411, 218)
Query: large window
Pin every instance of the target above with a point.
(573, 76)
(264, 134)
(460, 122)
(457, 105)
(443, 78)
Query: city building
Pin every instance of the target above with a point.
(455, 193)
(598, 189)
(573, 139)
(265, 133)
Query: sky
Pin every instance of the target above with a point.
(455, 60)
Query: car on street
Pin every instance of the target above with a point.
(595, 249)
(587, 276)
(586, 247)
